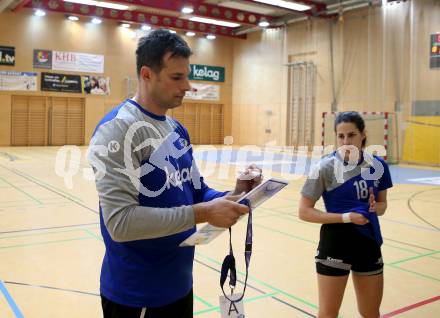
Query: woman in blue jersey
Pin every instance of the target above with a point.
(354, 186)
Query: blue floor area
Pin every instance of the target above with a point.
(300, 164)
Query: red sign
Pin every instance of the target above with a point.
(65, 56)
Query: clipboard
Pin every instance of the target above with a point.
(256, 197)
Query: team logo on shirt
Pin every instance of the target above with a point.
(167, 149)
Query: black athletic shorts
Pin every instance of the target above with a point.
(182, 308)
(342, 249)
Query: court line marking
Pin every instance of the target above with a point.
(408, 202)
(48, 188)
(13, 170)
(409, 307)
(286, 234)
(289, 217)
(54, 288)
(262, 283)
(24, 174)
(431, 229)
(10, 300)
(413, 272)
(93, 235)
(40, 234)
(83, 292)
(394, 266)
(22, 191)
(246, 300)
(49, 228)
(251, 286)
(410, 244)
(45, 243)
(203, 301)
(413, 258)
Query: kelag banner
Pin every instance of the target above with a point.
(61, 83)
(7, 55)
(207, 73)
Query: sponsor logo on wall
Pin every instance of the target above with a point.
(18, 81)
(96, 85)
(207, 73)
(61, 83)
(77, 62)
(42, 59)
(7, 55)
(204, 92)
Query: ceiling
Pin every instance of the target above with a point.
(244, 14)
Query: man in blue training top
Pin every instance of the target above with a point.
(151, 194)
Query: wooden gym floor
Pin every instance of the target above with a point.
(51, 248)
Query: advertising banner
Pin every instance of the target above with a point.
(61, 83)
(7, 55)
(18, 81)
(96, 85)
(207, 73)
(77, 62)
(204, 92)
(42, 59)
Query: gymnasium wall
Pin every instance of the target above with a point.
(27, 32)
(380, 61)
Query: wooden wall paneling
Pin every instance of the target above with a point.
(37, 114)
(205, 123)
(67, 121)
(29, 121)
(190, 122)
(58, 121)
(19, 121)
(217, 129)
(76, 121)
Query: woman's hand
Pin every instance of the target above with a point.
(372, 201)
(358, 218)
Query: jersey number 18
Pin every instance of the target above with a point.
(361, 189)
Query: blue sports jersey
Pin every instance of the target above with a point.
(147, 180)
(345, 188)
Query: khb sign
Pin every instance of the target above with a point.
(207, 73)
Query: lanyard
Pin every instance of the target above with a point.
(229, 261)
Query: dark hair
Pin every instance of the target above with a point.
(152, 48)
(351, 117)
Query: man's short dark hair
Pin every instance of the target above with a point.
(153, 47)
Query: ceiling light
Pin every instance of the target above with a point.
(132, 34)
(40, 13)
(216, 22)
(102, 4)
(210, 37)
(286, 4)
(187, 10)
(72, 18)
(125, 25)
(96, 21)
(263, 23)
(190, 34)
